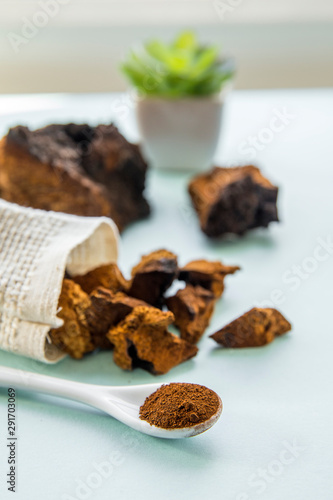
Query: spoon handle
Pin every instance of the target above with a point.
(20, 379)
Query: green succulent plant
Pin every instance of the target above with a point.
(178, 69)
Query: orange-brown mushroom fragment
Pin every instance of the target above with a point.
(73, 337)
(107, 309)
(192, 308)
(233, 200)
(108, 276)
(257, 327)
(143, 340)
(153, 276)
(207, 274)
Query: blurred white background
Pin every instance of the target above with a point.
(76, 45)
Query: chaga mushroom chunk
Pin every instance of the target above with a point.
(257, 327)
(108, 276)
(73, 337)
(74, 168)
(113, 162)
(233, 200)
(107, 309)
(153, 276)
(209, 275)
(192, 308)
(143, 340)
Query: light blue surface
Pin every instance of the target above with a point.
(275, 398)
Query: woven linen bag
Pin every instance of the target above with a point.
(36, 248)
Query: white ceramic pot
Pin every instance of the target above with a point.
(180, 134)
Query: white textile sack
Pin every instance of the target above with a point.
(36, 248)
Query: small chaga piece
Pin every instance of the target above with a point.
(153, 276)
(108, 276)
(233, 200)
(209, 275)
(73, 336)
(107, 309)
(192, 308)
(76, 169)
(255, 328)
(142, 340)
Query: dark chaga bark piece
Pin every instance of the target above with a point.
(207, 274)
(107, 309)
(153, 276)
(257, 327)
(108, 276)
(233, 200)
(77, 169)
(118, 165)
(143, 340)
(42, 171)
(192, 308)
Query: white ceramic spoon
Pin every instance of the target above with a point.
(121, 402)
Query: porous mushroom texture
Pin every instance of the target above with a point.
(152, 276)
(192, 308)
(76, 169)
(143, 340)
(108, 309)
(257, 327)
(73, 337)
(233, 200)
(207, 274)
(108, 276)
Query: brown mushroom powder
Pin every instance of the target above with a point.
(179, 405)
